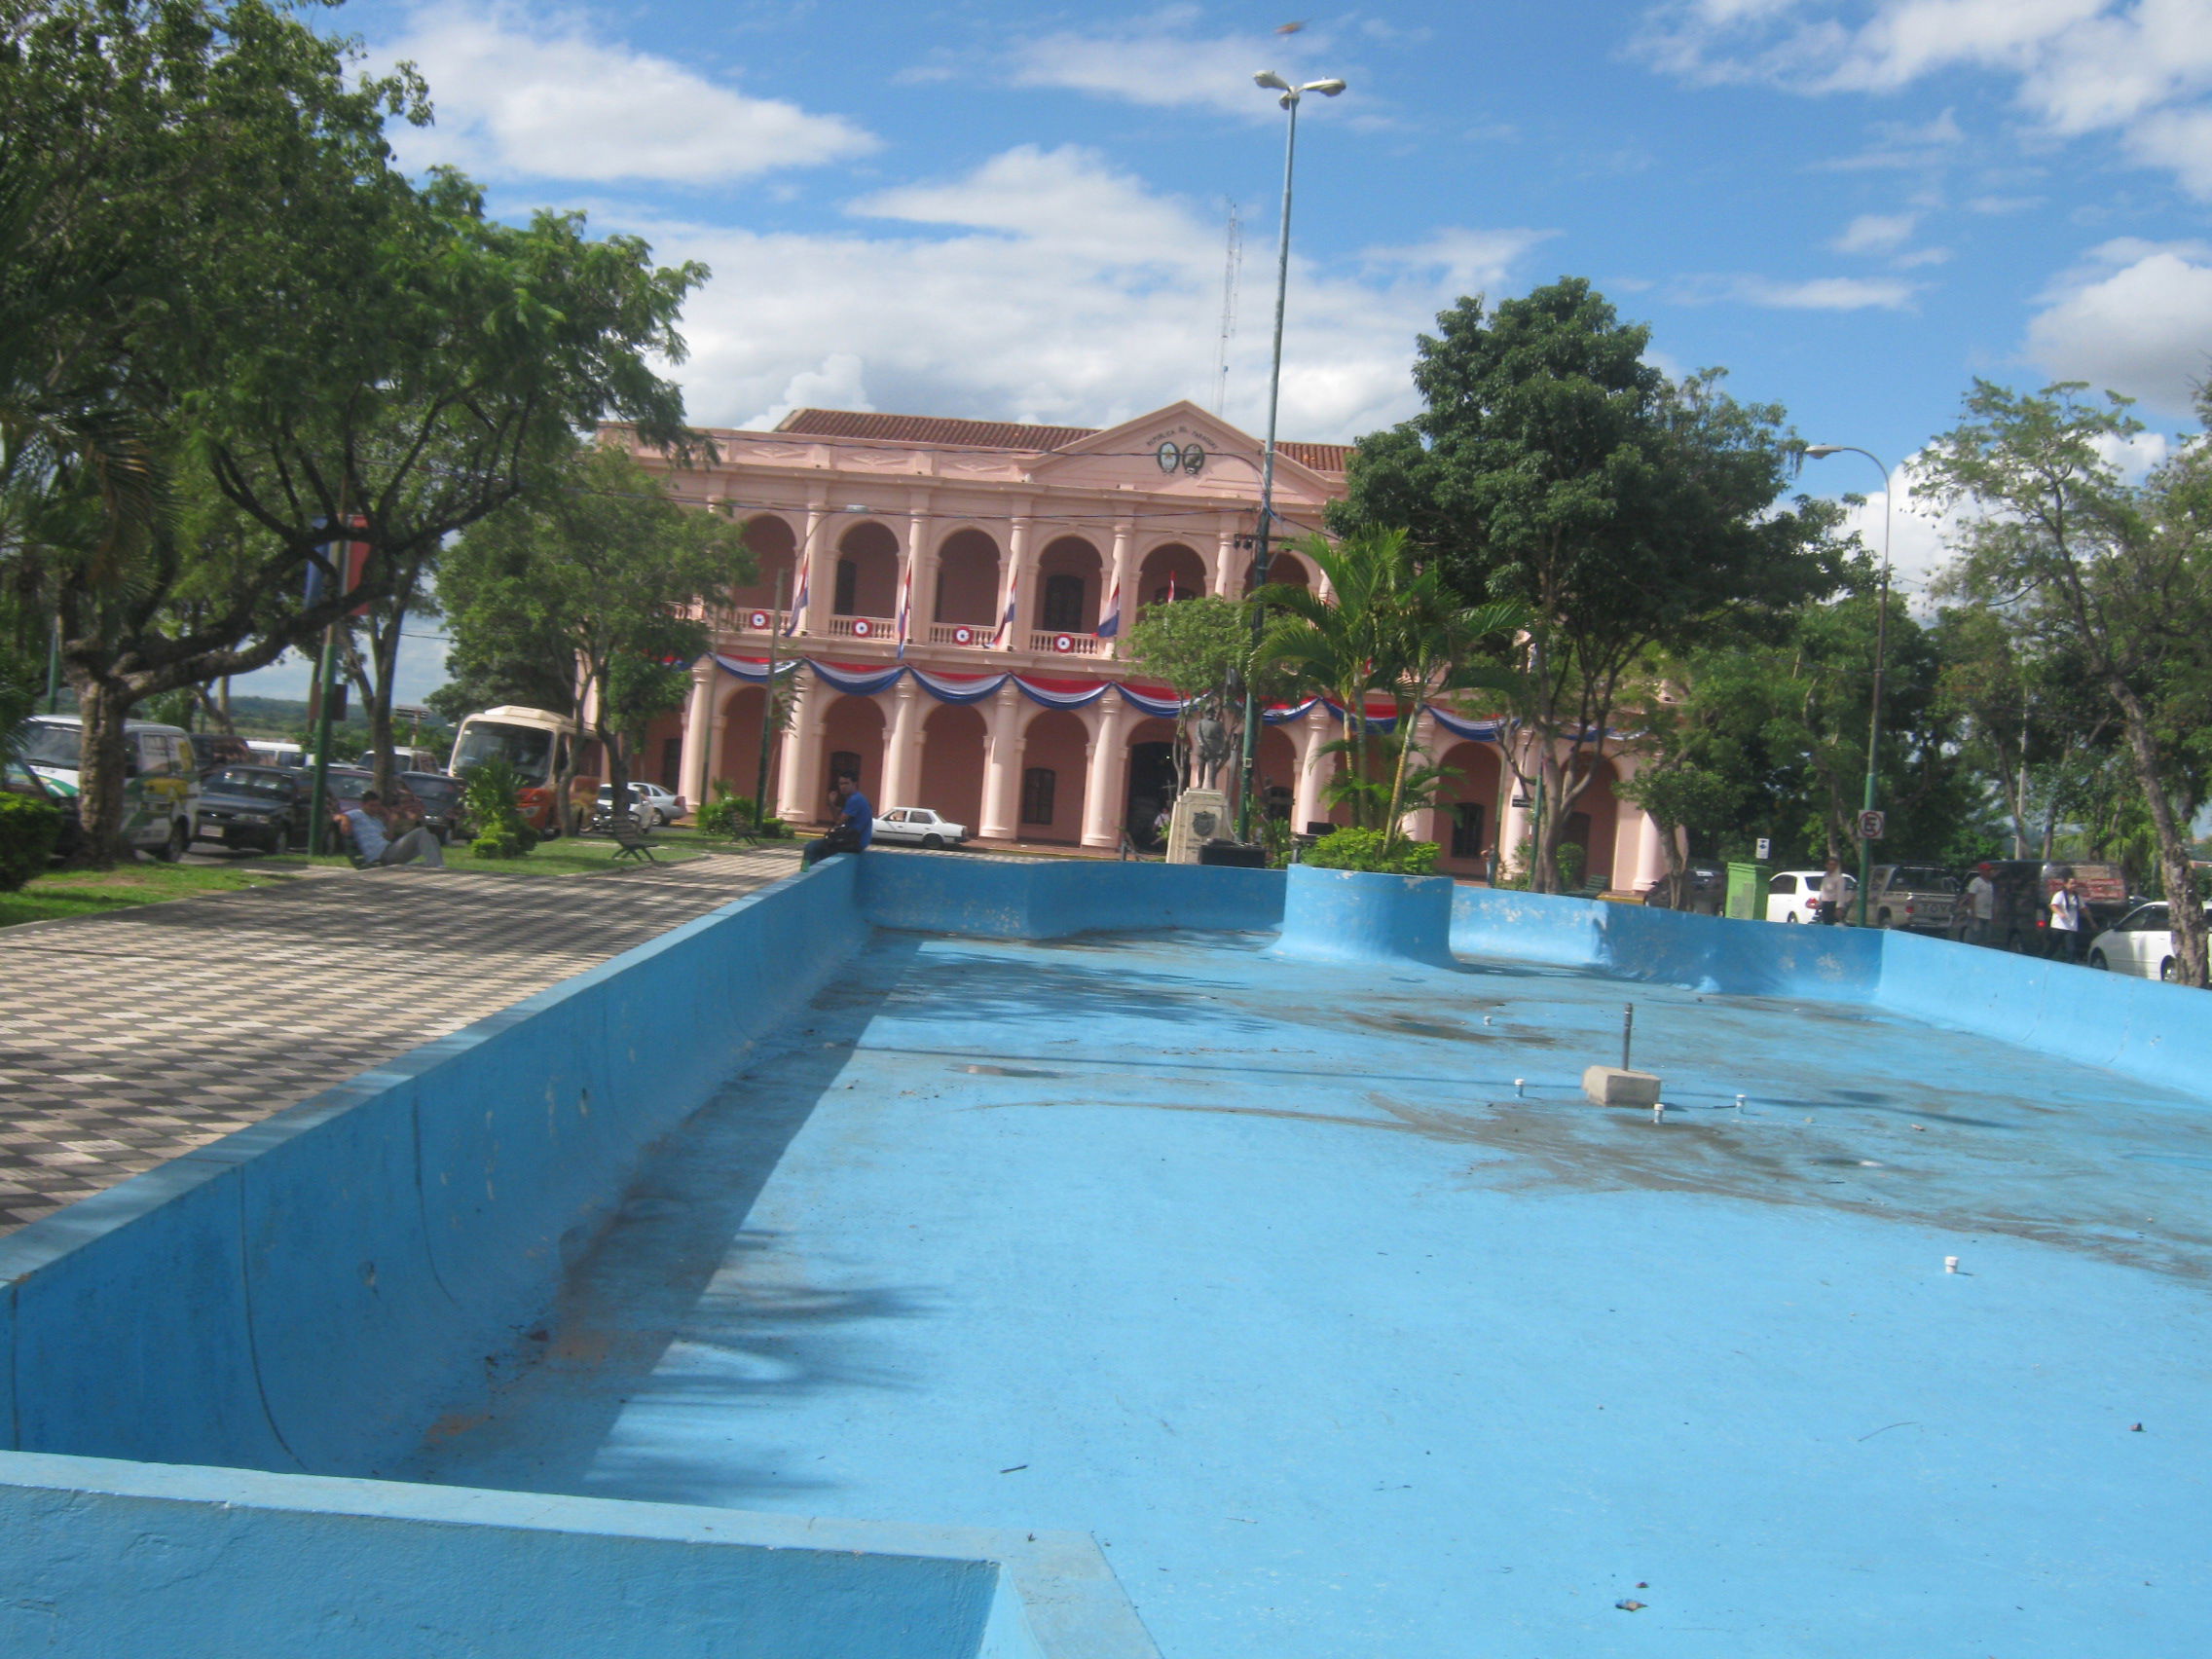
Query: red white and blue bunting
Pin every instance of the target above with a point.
(859, 680)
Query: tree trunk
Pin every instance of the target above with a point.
(102, 768)
(2186, 914)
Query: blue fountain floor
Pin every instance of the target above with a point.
(1262, 1272)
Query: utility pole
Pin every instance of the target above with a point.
(1264, 545)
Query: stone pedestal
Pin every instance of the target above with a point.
(1199, 816)
(1610, 1086)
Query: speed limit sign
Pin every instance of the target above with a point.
(1869, 825)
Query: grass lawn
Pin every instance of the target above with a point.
(95, 892)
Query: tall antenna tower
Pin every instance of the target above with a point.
(1232, 262)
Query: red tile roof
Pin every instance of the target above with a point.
(944, 430)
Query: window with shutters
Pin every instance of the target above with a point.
(1063, 604)
(1038, 784)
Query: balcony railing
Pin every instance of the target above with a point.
(1065, 642)
(754, 618)
(884, 628)
(977, 636)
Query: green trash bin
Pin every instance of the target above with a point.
(1747, 891)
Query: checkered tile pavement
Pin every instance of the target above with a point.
(128, 1039)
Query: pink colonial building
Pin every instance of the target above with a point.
(959, 592)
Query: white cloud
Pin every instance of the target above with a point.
(1814, 293)
(1915, 530)
(2139, 69)
(1047, 285)
(1878, 233)
(1162, 60)
(522, 97)
(2135, 318)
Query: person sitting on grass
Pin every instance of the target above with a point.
(388, 836)
(855, 827)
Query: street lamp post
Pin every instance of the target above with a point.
(1263, 546)
(1821, 452)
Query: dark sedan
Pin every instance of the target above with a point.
(440, 799)
(261, 809)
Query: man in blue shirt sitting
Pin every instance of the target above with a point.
(855, 827)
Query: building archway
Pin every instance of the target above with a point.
(1284, 570)
(1169, 572)
(852, 743)
(954, 742)
(968, 579)
(1154, 778)
(1275, 772)
(1070, 577)
(866, 577)
(738, 761)
(1466, 808)
(1055, 761)
(1592, 823)
(774, 547)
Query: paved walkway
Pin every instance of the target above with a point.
(128, 1039)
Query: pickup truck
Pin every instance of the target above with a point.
(1919, 897)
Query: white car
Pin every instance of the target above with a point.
(651, 805)
(1794, 896)
(2141, 943)
(919, 826)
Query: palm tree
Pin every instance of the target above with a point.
(1392, 625)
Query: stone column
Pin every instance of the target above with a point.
(1313, 766)
(697, 770)
(1514, 822)
(1106, 776)
(798, 779)
(1647, 861)
(818, 572)
(1014, 587)
(1426, 824)
(1002, 767)
(902, 756)
(1221, 575)
(918, 575)
(1122, 581)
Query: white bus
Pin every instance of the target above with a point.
(537, 744)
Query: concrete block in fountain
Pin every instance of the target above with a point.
(1613, 1086)
(1348, 915)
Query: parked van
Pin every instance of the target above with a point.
(161, 789)
(270, 752)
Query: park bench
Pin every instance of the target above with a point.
(630, 840)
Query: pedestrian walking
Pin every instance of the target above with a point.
(1832, 887)
(2067, 913)
(1978, 907)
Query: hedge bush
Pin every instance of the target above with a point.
(28, 829)
(1373, 850)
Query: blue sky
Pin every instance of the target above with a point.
(1018, 212)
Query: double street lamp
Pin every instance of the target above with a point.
(1821, 452)
(1264, 545)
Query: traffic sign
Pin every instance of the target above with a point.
(1870, 826)
(1763, 849)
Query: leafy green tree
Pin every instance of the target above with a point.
(2117, 576)
(1555, 467)
(1202, 649)
(288, 335)
(1390, 624)
(616, 570)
